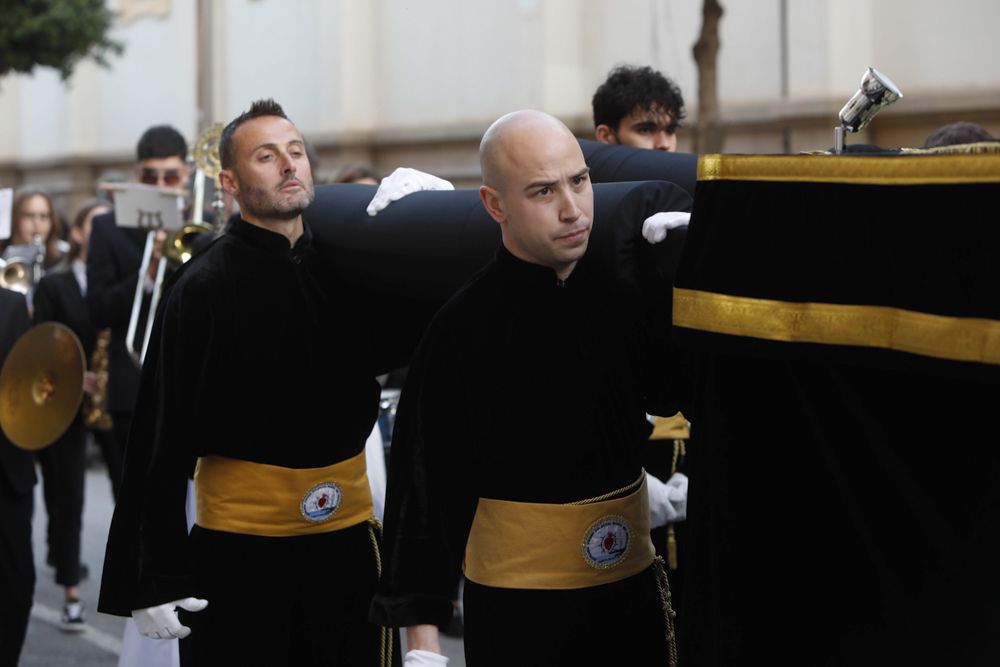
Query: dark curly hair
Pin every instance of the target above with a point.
(259, 108)
(628, 88)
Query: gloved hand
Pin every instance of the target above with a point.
(402, 182)
(161, 622)
(656, 226)
(418, 658)
(667, 500)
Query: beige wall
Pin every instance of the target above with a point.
(415, 82)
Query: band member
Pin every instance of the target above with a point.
(638, 107)
(518, 442)
(59, 297)
(33, 214)
(17, 481)
(34, 223)
(113, 263)
(261, 377)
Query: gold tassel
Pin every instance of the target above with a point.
(671, 547)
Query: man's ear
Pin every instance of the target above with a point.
(494, 205)
(605, 134)
(227, 179)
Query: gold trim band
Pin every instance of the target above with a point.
(955, 338)
(272, 501)
(551, 546)
(870, 170)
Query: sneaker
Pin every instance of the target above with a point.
(72, 617)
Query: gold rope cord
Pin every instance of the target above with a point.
(625, 490)
(663, 585)
(385, 634)
(939, 168)
(680, 451)
(954, 338)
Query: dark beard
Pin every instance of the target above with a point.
(258, 205)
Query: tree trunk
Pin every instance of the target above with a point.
(709, 136)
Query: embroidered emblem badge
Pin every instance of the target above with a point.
(321, 502)
(607, 542)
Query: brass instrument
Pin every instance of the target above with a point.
(95, 413)
(41, 385)
(178, 248)
(15, 274)
(179, 245)
(23, 266)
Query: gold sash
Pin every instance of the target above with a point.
(272, 501)
(551, 546)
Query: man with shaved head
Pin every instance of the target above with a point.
(517, 447)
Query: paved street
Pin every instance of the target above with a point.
(46, 645)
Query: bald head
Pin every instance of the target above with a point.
(536, 186)
(514, 135)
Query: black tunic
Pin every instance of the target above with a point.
(260, 352)
(525, 388)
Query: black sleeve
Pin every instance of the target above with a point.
(431, 499)
(147, 559)
(44, 303)
(110, 287)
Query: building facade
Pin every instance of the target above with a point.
(415, 82)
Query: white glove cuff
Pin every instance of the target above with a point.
(421, 658)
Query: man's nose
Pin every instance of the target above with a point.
(287, 164)
(569, 211)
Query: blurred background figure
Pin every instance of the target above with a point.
(32, 214)
(357, 173)
(952, 134)
(17, 482)
(59, 297)
(35, 242)
(113, 261)
(638, 107)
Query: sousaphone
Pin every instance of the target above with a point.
(41, 385)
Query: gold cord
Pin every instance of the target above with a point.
(385, 634)
(680, 451)
(663, 585)
(613, 494)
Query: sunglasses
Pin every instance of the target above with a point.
(150, 176)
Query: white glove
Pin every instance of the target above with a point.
(161, 622)
(656, 226)
(419, 658)
(402, 182)
(667, 500)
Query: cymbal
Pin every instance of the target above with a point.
(41, 385)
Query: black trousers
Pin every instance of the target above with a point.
(621, 623)
(286, 601)
(63, 467)
(17, 571)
